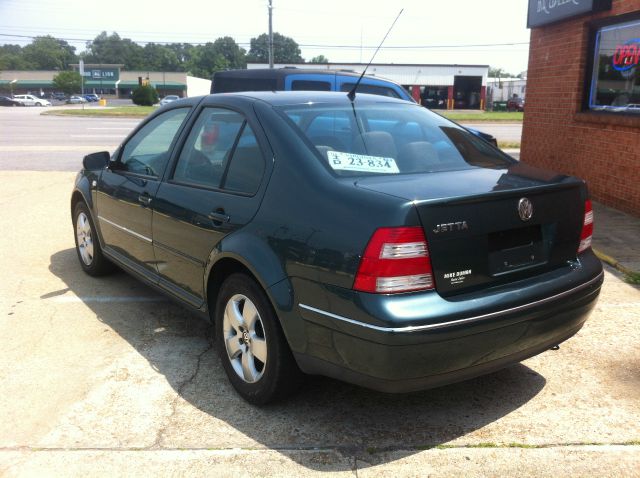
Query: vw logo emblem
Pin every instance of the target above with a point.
(525, 209)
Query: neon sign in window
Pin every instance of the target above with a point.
(615, 80)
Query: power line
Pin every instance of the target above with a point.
(301, 45)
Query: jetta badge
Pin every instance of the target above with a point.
(525, 209)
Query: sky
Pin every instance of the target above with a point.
(344, 31)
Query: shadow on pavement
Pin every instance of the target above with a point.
(324, 415)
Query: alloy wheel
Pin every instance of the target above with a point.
(85, 238)
(244, 338)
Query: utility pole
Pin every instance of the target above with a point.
(270, 34)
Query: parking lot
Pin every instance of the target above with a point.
(104, 376)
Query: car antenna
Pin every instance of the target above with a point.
(352, 94)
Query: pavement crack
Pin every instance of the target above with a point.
(174, 404)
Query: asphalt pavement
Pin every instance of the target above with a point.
(104, 377)
(35, 142)
(511, 132)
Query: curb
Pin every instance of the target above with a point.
(614, 263)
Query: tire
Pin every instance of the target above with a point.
(88, 247)
(38, 104)
(252, 347)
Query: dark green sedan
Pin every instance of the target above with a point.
(369, 240)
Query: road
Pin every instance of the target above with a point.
(34, 142)
(104, 377)
(511, 132)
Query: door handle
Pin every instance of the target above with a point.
(219, 216)
(144, 199)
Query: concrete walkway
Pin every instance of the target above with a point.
(616, 238)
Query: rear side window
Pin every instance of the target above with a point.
(371, 89)
(247, 165)
(309, 85)
(221, 152)
(229, 85)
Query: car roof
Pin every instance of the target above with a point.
(282, 98)
(277, 73)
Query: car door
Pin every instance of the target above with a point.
(214, 189)
(126, 190)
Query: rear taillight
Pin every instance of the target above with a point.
(587, 227)
(395, 260)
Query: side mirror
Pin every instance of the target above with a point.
(96, 161)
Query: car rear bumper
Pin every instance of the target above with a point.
(418, 341)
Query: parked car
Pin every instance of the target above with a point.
(169, 99)
(371, 241)
(300, 79)
(515, 104)
(58, 96)
(5, 101)
(76, 99)
(91, 97)
(31, 100)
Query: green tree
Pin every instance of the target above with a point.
(48, 53)
(319, 59)
(145, 95)
(285, 49)
(206, 60)
(235, 56)
(69, 82)
(115, 50)
(159, 58)
(11, 58)
(184, 52)
(499, 73)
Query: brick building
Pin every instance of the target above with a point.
(583, 95)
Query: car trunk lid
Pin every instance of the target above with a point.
(477, 231)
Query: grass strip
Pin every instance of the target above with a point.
(485, 116)
(117, 112)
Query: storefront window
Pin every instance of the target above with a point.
(615, 79)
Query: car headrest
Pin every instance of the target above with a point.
(376, 143)
(417, 156)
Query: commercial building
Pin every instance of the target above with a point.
(435, 86)
(502, 89)
(583, 95)
(107, 80)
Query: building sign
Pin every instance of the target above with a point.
(615, 78)
(543, 12)
(97, 74)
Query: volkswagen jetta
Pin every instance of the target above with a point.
(370, 240)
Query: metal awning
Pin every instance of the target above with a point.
(99, 84)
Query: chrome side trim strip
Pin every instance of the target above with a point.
(128, 231)
(418, 328)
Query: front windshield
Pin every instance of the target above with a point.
(390, 138)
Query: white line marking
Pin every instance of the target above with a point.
(111, 127)
(68, 299)
(622, 304)
(51, 148)
(97, 136)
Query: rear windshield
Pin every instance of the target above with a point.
(389, 138)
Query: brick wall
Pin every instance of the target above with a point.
(558, 135)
